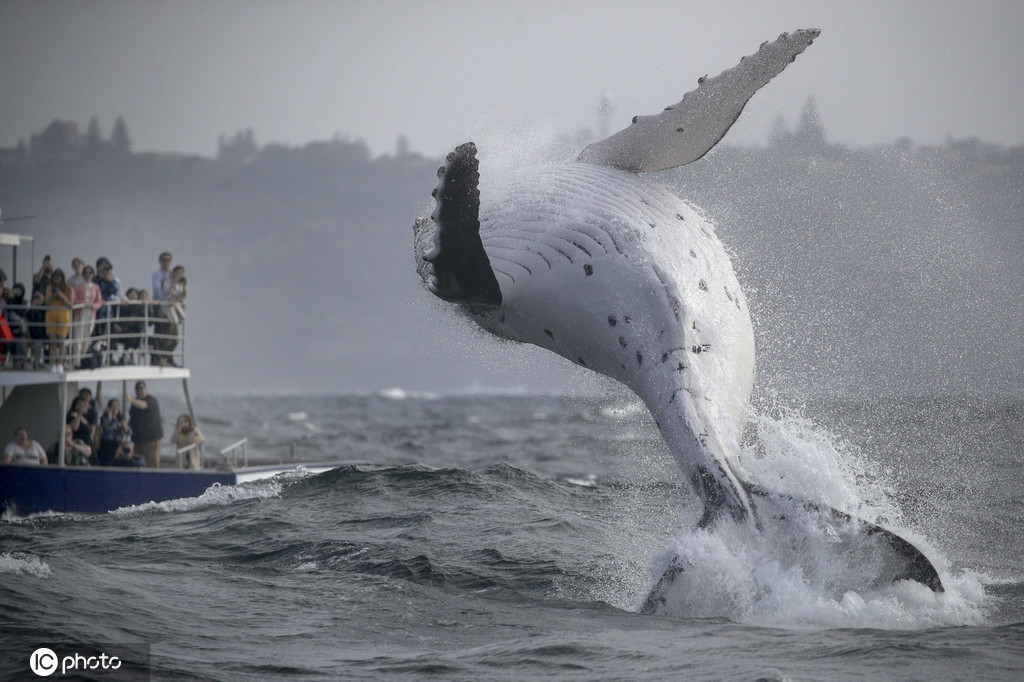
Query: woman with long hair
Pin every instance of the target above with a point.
(88, 300)
(186, 433)
(60, 299)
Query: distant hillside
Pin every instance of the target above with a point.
(893, 269)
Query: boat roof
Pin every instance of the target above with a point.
(130, 373)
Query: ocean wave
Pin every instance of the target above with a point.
(20, 563)
(403, 394)
(215, 495)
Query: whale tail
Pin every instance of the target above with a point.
(854, 554)
(897, 557)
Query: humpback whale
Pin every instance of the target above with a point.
(597, 262)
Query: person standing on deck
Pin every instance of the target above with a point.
(161, 275)
(89, 298)
(60, 299)
(147, 427)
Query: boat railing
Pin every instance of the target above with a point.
(232, 452)
(194, 447)
(125, 332)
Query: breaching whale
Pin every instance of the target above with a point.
(596, 262)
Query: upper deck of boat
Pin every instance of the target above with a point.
(125, 340)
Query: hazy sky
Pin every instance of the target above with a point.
(441, 71)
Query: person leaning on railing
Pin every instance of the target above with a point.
(112, 291)
(172, 312)
(130, 326)
(186, 433)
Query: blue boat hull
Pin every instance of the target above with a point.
(28, 490)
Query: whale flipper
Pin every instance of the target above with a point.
(452, 260)
(686, 131)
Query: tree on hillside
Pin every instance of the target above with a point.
(811, 133)
(240, 148)
(119, 138)
(60, 139)
(93, 145)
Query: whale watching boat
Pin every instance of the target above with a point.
(133, 341)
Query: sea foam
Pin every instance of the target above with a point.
(216, 494)
(20, 563)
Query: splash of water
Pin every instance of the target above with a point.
(802, 572)
(20, 563)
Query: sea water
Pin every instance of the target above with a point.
(515, 537)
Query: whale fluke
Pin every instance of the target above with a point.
(904, 560)
(686, 131)
(873, 556)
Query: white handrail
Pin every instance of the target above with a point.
(189, 448)
(233, 451)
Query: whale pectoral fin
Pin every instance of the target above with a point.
(452, 260)
(896, 558)
(686, 131)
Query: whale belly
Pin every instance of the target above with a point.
(617, 274)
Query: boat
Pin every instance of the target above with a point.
(134, 342)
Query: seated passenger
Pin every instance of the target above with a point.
(126, 455)
(113, 433)
(76, 452)
(24, 450)
(79, 423)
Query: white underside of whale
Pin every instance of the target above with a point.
(617, 274)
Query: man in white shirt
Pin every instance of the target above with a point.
(160, 276)
(23, 450)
